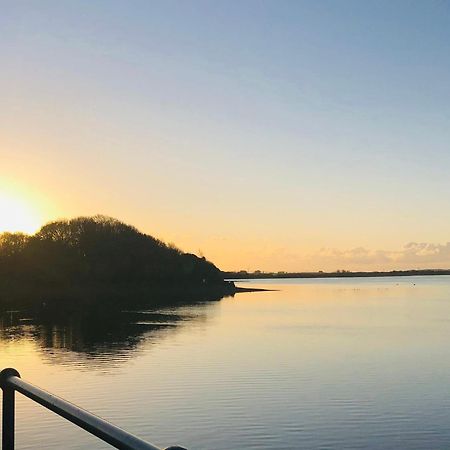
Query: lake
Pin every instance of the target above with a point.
(314, 364)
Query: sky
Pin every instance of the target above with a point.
(265, 135)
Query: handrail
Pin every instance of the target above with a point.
(10, 382)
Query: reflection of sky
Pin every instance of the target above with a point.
(270, 125)
(315, 364)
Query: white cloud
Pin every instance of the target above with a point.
(412, 256)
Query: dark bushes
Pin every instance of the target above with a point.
(99, 250)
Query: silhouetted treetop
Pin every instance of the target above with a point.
(99, 249)
(12, 243)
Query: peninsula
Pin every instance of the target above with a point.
(82, 257)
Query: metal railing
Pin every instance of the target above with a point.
(10, 382)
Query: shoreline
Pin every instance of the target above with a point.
(237, 276)
(240, 290)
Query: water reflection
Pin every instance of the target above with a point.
(96, 337)
(312, 364)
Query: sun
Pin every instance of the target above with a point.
(17, 215)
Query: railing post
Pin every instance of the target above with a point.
(10, 382)
(8, 409)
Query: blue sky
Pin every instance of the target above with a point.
(249, 130)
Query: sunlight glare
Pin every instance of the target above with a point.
(17, 215)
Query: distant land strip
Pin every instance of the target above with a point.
(243, 274)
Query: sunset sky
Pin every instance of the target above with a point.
(271, 135)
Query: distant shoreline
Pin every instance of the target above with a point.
(242, 275)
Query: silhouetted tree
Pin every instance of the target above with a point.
(99, 250)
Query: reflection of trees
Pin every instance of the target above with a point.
(98, 338)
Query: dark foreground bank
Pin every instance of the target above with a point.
(100, 259)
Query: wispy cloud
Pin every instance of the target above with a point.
(412, 255)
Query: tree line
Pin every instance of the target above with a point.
(98, 250)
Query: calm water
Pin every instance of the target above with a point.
(317, 364)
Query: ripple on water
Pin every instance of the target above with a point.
(353, 364)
